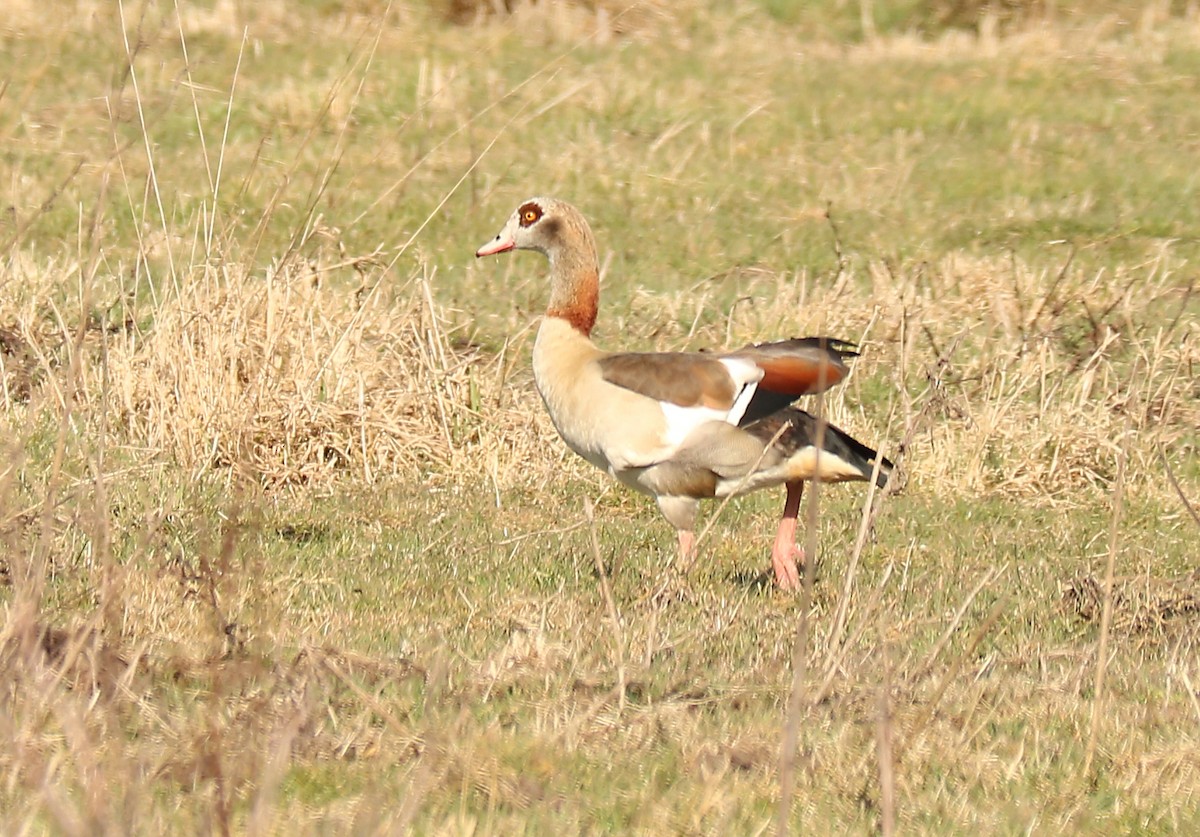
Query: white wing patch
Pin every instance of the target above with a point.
(746, 376)
(681, 421)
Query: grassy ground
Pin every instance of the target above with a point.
(290, 547)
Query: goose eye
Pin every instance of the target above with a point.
(530, 213)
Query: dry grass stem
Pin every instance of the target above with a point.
(800, 647)
(1191, 510)
(1114, 531)
(957, 666)
(885, 729)
(935, 653)
(610, 604)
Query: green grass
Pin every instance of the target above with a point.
(290, 547)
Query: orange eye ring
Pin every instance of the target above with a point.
(529, 214)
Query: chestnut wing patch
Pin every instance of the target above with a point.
(801, 366)
(684, 379)
(792, 368)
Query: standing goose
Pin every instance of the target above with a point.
(680, 426)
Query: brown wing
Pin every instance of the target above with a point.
(686, 379)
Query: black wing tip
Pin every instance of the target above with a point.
(840, 347)
(885, 470)
(837, 345)
(867, 458)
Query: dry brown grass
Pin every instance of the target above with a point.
(568, 21)
(280, 379)
(287, 380)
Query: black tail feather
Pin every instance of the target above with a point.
(797, 429)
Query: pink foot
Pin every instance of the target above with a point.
(687, 547)
(786, 560)
(785, 554)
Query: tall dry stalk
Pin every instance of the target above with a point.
(795, 704)
(1114, 531)
(610, 605)
(884, 735)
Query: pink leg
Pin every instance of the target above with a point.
(687, 547)
(785, 552)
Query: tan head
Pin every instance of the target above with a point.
(557, 230)
(547, 225)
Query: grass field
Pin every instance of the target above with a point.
(287, 544)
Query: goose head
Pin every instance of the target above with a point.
(549, 226)
(559, 231)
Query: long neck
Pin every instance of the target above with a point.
(575, 282)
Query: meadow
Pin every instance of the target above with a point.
(289, 546)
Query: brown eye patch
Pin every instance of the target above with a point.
(529, 213)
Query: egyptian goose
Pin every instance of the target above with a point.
(680, 426)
